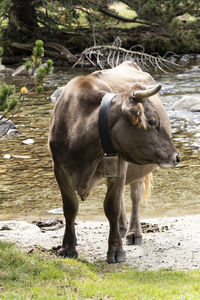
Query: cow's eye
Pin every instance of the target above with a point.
(152, 122)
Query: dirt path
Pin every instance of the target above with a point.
(168, 242)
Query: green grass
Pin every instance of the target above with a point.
(43, 276)
(124, 11)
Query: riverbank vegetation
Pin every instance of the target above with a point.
(41, 275)
(11, 101)
(69, 27)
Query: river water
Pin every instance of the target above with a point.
(28, 189)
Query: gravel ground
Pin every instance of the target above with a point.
(172, 243)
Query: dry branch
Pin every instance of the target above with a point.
(112, 55)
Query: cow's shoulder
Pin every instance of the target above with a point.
(89, 89)
(81, 96)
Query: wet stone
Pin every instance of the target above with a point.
(28, 142)
(7, 127)
(5, 227)
(54, 97)
(48, 224)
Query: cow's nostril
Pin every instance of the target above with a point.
(178, 159)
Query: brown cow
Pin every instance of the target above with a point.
(139, 130)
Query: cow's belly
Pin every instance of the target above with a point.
(135, 173)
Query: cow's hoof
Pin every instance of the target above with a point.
(67, 252)
(132, 239)
(116, 256)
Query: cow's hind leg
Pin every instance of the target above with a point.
(70, 209)
(115, 253)
(134, 234)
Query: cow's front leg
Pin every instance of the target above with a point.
(134, 234)
(70, 209)
(115, 187)
(123, 220)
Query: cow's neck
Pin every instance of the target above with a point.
(90, 170)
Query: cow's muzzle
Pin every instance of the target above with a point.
(173, 161)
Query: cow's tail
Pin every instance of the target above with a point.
(148, 187)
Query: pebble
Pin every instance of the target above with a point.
(12, 131)
(28, 142)
(5, 227)
(7, 156)
(54, 97)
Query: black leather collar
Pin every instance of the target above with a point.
(103, 124)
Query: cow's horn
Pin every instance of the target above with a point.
(147, 93)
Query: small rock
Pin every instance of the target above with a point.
(21, 156)
(49, 224)
(20, 71)
(196, 108)
(149, 228)
(2, 69)
(7, 156)
(28, 142)
(5, 227)
(6, 126)
(56, 94)
(188, 102)
(195, 146)
(55, 249)
(9, 70)
(184, 59)
(30, 251)
(12, 131)
(164, 228)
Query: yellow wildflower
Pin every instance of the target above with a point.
(24, 90)
(63, 17)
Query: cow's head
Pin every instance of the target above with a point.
(142, 133)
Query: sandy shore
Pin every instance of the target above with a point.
(174, 244)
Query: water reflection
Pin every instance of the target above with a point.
(28, 188)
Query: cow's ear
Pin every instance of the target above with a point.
(138, 116)
(135, 114)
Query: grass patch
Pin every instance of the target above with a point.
(41, 276)
(123, 10)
